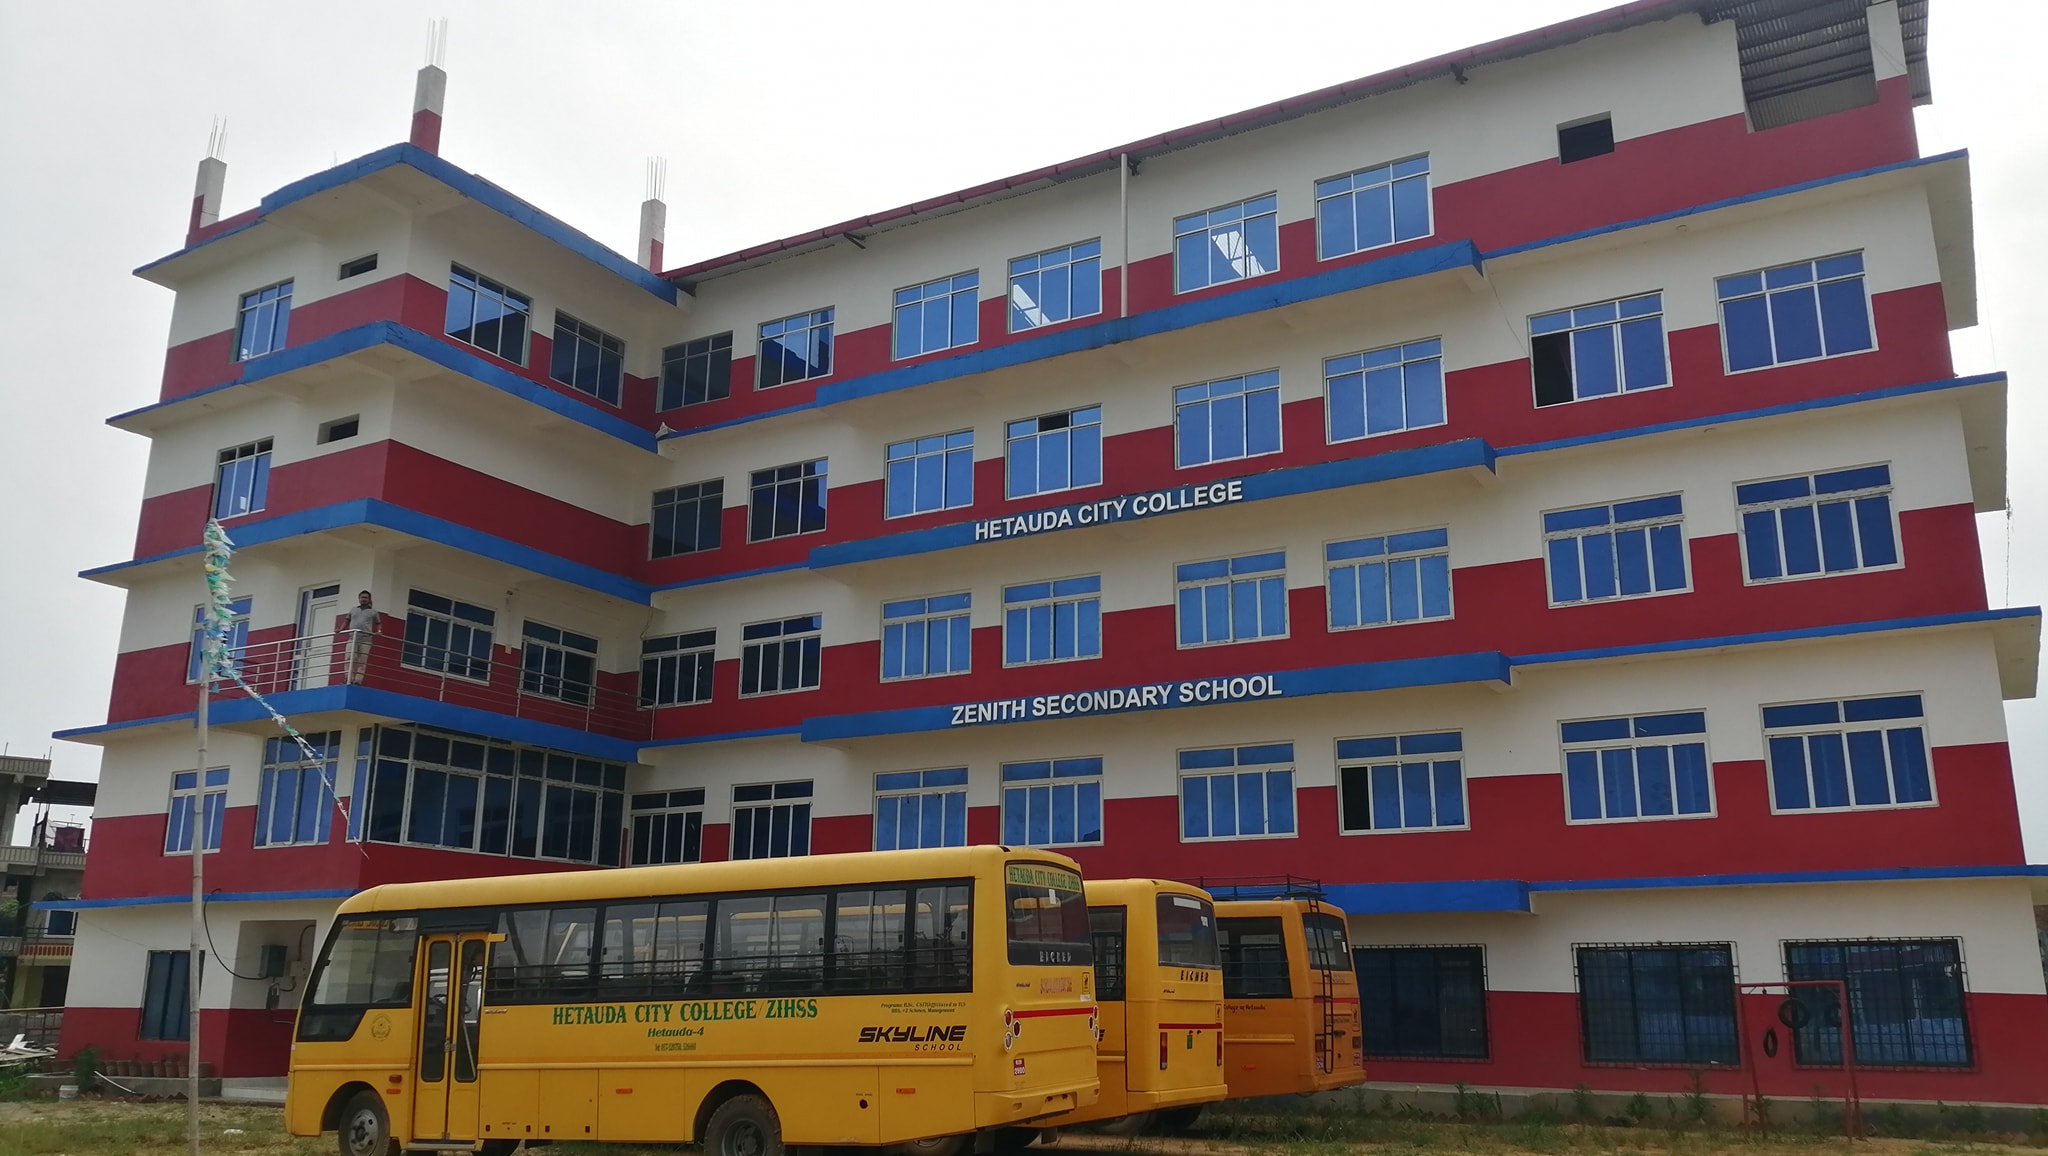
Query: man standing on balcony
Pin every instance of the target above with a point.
(362, 632)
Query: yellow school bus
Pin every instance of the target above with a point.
(867, 999)
(1290, 998)
(1159, 983)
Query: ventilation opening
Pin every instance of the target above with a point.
(340, 429)
(358, 266)
(1586, 138)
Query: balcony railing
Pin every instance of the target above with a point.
(59, 846)
(484, 682)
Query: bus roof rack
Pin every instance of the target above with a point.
(1229, 887)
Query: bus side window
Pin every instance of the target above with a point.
(868, 952)
(1106, 932)
(627, 958)
(679, 948)
(568, 970)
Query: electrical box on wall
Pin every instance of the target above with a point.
(271, 965)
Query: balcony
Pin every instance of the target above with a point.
(497, 682)
(58, 847)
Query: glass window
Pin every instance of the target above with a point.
(1385, 391)
(695, 372)
(771, 820)
(1056, 285)
(1054, 621)
(296, 803)
(795, 348)
(782, 655)
(1055, 451)
(1401, 783)
(925, 475)
(1819, 524)
(1599, 350)
(1237, 792)
(1222, 421)
(1391, 579)
(233, 644)
(1651, 766)
(668, 827)
(559, 663)
(1423, 1002)
(1907, 1003)
(483, 313)
(921, 809)
(188, 801)
(447, 635)
(167, 996)
(587, 359)
(265, 316)
(687, 519)
(936, 315)
(1227, 243)
(1633, 548)
(1585, 140)
(1667, 1004)
(431, 788)
(1254, 953)
(1372, 207)
(1052, 803)
(241, 479)
(1232, 599)
(1794, 312)
(1848, 754)
(925, 637)
(786, 501)
(1187, 932)
(675, 669)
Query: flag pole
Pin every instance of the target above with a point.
(196, 965)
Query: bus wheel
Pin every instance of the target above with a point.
(935, 1146)
(1129, 1125)
(1012, 1141)
(1176, 1121)
(745, 1125)
(365, 1129)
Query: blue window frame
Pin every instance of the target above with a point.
(587, 359)
(483, 313)
(1907, 1002)
(785, 501)
(936, 315)
(1797, 312)
(1849, 754)
(1651, 766)
(1598, 350)
(188, 800)
(1227, 243)
(795, 348)
(1221, 421)
(1625, 550)
(1372, 207)
(771, 820)
(447, 635)
(1056, 621)
(1385, 391)
(782, 655)
(1056, 285)
(237, 636)
(929, 474)
(695, 372)
(1054, 451)
(1052, 803)
(1237, 792)
(1232, 599)
(1662, 1004)
(926, 637)
(921, 809)
(296, 802)
(241, 479)
(1391, 579)
(1401, 783)
(166, 996)
(265, 316)
(1818, 524)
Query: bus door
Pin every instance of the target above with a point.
(1106, 928)
(444, 1103)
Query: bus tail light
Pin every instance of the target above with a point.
(1163, 1050)
(1219, 1047)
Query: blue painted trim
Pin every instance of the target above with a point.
(729, 736)
(1768, 411)
(1831, 630)
(1729, 202)
(1482, 666)
(77, 733)
(222, 897)
(1510, 895)
(469, 185)
(442, 353)
(377, 512)
(1466, 453)
(1776, 878)
(98, 572)
(735, 575)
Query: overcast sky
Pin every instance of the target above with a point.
(774, 118)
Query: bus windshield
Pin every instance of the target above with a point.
(1048, 915)
(1327, 950)
(1187, 932)
(368, 963)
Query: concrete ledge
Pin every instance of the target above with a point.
(168, 1086)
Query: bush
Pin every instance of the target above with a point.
(1582, 1102)
(85, 1068)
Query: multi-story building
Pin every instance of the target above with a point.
(1527, 491)
(36, 938)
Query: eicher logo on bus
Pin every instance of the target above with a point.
(1122, 509)
(1118, 699)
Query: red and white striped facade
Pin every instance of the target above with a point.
(480, 479)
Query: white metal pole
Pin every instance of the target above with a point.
(194, 966)
(1123, 208)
